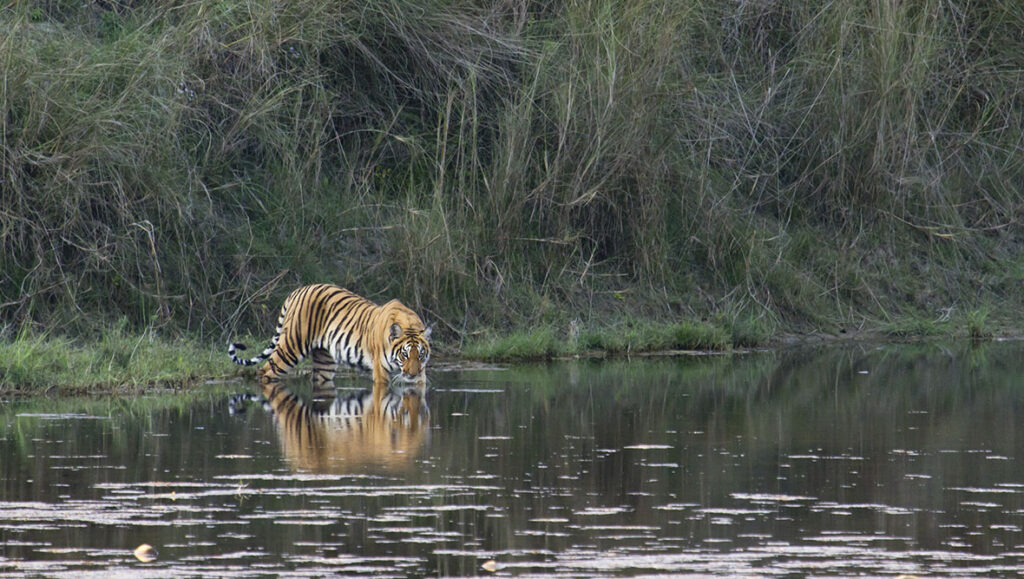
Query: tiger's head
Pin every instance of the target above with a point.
(408, 348)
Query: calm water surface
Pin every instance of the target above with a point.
(850, 460)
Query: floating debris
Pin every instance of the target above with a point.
(490, 566)
(145, 553)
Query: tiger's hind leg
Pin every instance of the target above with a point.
(324, 367)
(279, 364)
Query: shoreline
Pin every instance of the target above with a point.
(56, 367)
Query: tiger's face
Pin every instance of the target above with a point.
(410, 350)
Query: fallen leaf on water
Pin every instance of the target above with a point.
(490, 566)
(145, 553)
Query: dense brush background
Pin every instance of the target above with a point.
(765, 164)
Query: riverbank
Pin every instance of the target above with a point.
(118, 362)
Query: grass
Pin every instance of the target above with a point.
(770, 167)
(115, 361)
(977, 324)
(539, 345)
(917, 328)
(547, 342)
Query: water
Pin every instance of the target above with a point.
(850, 460)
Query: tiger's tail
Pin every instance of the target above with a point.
(239, 403)
(234, 347)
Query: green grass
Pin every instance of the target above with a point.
(113, 362)
(538, 345)
(648, 337)
(975, 324)
(916, 328)
(547, 342)
(978, 325)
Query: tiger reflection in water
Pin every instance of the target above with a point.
(332, 433)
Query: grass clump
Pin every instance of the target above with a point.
(546, 343)
(648, 337)
(749, 332)
(114, 361)
(542, 344)
(978, 324)
(916, 327)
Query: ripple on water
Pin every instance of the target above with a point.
(768, 498)
(601, 511)
(60, 416)
(647, 447)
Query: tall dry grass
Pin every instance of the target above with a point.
(186, 164)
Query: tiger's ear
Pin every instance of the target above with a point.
(396, 332)
(426, 333)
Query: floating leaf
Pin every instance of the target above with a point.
(145, 553)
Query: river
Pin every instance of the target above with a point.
(852, 459)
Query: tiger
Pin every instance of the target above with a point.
(332, 325)
(330, 433)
